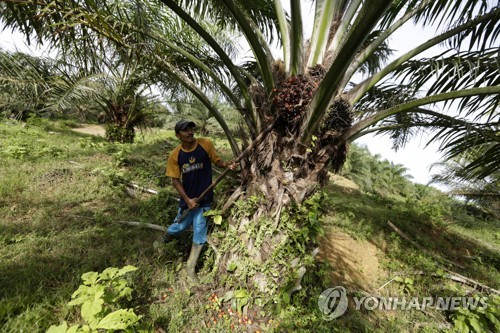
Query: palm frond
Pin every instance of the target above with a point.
(367, 19)
(379, 42)
(445, 12)
(64, 25)
(398, 9)
(297, 39)
(457, 137)
(339, 30)
(466, 28)
(262, 12)
(441, 12)
(25, 82)
(66, 91)
(378, 58)
(385, 96)
(455, 72)
(457, 142)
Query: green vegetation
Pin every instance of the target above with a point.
(98, 297)
(61, 193)
(321, 93)
(342, 82)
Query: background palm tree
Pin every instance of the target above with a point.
(120, 89)
(484, 192)
(321, 94)
(190, 108)
(26, 84)
(123, 92)
(374, 175)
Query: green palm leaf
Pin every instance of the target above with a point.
(188, 36)
(455, 72)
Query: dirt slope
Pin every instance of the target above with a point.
(355, 264)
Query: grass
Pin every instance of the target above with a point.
(57, 223)
(474, 253)
(452, 239)
(61, 193)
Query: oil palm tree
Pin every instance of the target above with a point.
(123, 93)
(25, 82)
(120, 89)
(484, 192)
(318, 95)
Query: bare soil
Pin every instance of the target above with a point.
(347, 184)
(354, 263)
(91, 129)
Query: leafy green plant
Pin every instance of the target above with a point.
(311, 211)
(43, 123)
(479, 319)
(121, 154)
(215, 214)
(98, 297)
(406, 284)
(25, 150)
(92, 143)
(238, 298)
(305, 221)
(117, 134)
(16, 151)
(49, 151)
(112, 175)
(246, 207)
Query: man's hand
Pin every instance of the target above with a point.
(227, 164)
(232, 165)
(191, 203)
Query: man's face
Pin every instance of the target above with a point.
(186, 135)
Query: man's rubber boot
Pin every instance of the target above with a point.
(168, 238)
(191, 262)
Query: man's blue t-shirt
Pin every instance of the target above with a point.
(195, 169)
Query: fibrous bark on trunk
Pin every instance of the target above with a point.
(269, 240)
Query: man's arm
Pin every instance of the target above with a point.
(208, 145)
(191, 202)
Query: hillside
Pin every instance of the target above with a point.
(63, 192)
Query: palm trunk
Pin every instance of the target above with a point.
(119, 130)
(270, 239)
(119, 133)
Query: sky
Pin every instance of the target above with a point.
(415, 156)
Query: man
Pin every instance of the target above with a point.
(192, 161)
